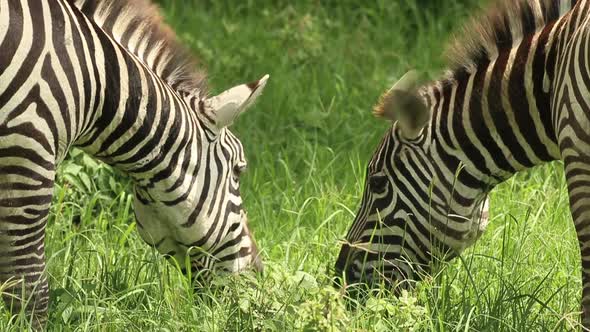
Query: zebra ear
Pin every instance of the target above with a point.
(402, 103)
(226, 106)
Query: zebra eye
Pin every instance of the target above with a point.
(239, 168)
(378, 182)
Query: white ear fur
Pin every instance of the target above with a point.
(226, 106)
(402, 103)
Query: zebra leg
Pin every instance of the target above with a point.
(575, 153)
(577, 170)
(25, 196)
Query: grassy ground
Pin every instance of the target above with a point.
(307, 141)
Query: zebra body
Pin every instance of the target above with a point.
(518, 95)
(118, 93)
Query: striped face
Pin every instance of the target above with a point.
(232, 248)
(201, 212)
(210, 223)
(406, 217)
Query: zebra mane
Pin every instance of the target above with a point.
(499, 27)
(138, 26)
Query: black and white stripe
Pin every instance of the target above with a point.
(119, 91)
(517, 95)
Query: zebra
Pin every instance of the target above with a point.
(109, 77)
(515, 95)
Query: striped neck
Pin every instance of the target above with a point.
(140, 124)
(492, 121)
(495, 120)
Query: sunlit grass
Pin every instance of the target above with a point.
(307, 141)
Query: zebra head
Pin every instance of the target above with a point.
(202, 218)
(408, 215)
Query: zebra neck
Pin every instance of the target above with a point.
(141, 126)
(495, 120)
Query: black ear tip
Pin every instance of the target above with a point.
(253, 86)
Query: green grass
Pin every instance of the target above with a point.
(308, 140)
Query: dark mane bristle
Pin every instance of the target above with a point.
(138, 26)
(499, 27)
